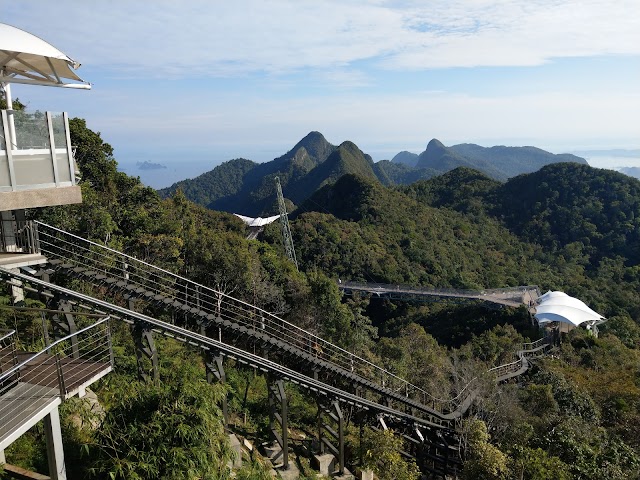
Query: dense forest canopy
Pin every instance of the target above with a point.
(568, 226)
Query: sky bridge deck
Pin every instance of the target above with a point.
(33, 384)
(511, 297)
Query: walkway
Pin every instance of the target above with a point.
(511, 297)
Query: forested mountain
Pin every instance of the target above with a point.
(574, 415)
(406, 158)
(248, 188)
(594, 210)
(242, 186)
(498, 162)
(465, 230)
(443, 159)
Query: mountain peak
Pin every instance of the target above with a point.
(406, 158)
(316, 146)
(435, 146)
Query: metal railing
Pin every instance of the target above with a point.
(423, 417)
(180, 291)
(162, 284)
(527, 351)
(385, 289)
(55, 371)
(8, 357)
(18, 236)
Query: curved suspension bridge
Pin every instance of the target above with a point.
(226, 327)
(511, 297)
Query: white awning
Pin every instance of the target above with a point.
(560, 307)
(257, 222)
(25, 58)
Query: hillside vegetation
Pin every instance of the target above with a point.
(575, 415)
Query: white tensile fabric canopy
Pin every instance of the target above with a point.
(257, 222)
(560, 307)
(25, 58)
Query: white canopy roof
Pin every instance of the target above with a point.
(25, 58)
(257, 222)
(560, 307)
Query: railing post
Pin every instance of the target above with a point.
(110, 346)
(61, 386)
(65, 324)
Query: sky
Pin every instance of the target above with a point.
(194, 83)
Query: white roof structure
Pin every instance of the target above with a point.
(257, 222)
(560, 307)
(25, 58)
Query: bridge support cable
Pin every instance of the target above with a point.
(146, 352)
(216, 374)
(331, 427)
(278, 419)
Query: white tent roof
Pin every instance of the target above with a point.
(25, 58)
(560, 307)
(257, 222)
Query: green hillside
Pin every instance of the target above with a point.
(574, 415)
(248, 188)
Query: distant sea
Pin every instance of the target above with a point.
(612, 163)
(165, 177)
(626, 164)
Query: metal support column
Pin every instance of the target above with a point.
(215, 373)
(64, 324)
(55, 453)
(331, 430)
(145, 349)
(278, 413)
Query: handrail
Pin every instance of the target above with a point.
(431, 418)
(287, 331)
(276, 326)
(403, 288)
(57, 342)
(7, 335)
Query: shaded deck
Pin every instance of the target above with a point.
(33, 384)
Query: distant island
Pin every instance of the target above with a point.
(150, 166)
(631, 171)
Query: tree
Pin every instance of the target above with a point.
(168, 431)
(382, 455)
(484, 461)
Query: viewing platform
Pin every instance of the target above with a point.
(37, 166)
(34, 384)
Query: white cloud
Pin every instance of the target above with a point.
(161, 37)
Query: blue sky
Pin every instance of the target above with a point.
(192, 84)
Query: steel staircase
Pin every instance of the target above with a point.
(259, 339)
